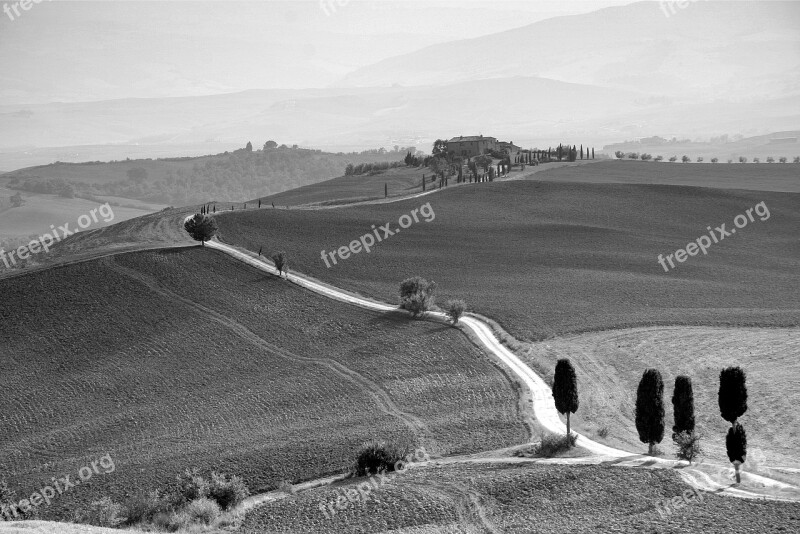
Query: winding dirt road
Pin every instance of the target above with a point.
(708, 478)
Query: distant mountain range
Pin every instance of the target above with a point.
(708, 69)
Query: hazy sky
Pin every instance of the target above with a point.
(91, 50)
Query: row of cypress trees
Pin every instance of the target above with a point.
(732, 399)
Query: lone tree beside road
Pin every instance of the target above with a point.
(281, 263)
(736, 445)
(650, 409)
(201, 227)
(565, 389)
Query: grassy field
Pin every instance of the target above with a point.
(179, 358)
(398, 182)
(522, 498)
(545, 258)
(761, 177)
(610, 364)
(40, 211)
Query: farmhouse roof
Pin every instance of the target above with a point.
(470, 138)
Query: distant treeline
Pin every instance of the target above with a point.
(372, 168)
(233, 176)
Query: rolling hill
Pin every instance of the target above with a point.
(184, 357)
(739, 50)
(547, 258)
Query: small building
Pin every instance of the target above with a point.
(509, 148)
(471, 146)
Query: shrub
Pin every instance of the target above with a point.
(715, 160)
(204, 511)
(455, 309)
(796, 159)
(700, 159)
(686, 159)
(633, 155)
(227, 492)
(673, 159)
(658, 158)
(143, 507)
(620, 154)
(102, 513)
(191, 486)
(756, 160)
(377, 456)
(603, 432)
(742, 159)
(170, 521)
(416, 295)
(554, 444)
(782, 159)
(770, 159)
(688, 446)
(646, 157)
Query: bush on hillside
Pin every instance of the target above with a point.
(376, 456)
(688, 446)
(549, 446)
(227, 492)
(455, 309)
(102, 513)
(416, 295)
(144, 507)
(203, 511)
(191, 485)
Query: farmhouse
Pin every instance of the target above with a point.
(471, 146)
(475, 145)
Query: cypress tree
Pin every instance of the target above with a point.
(650, 409)
(736, 445)
(565, 389)
(732, 394)
(592, 152)
(683, 406)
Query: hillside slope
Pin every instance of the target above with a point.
(179, 358)
(546, 258)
